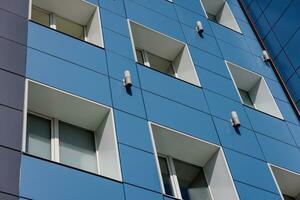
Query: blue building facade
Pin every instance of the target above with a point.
(43, 71)
(277, 24)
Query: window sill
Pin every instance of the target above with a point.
(142, 65)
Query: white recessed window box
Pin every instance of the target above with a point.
(220, 12)
(253, 90)
(191, 168)
(162, 53)
(288, 182)
(70, 130)
(77, 18)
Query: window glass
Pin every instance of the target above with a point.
(77, 147)
(40, 16)
(246, 98)
(286, 197)
(69, 27)
(192, 182)
(38, 136)
(139, 55)
(212, 17)
(160, 64)
(165, 175)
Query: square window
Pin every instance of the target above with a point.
(288, 182)
(253, 90)
(70, 130)
(162, 53)
(190, 168)
(59, 15)
(219, 11)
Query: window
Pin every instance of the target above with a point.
(219, 11)
(59, 15)
(253, 90)
(70, 130)
(288, 182)
(190, 168)
(162, 53)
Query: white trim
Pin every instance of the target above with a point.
(53, 20)
(203, 8)
(146, 58)
(29, 9)
(116, 143)
(68, 93)
(132, 41)
(264, 82)
(56, 140)
(25, 107)
(277, 185)
(97, 153)
(172, 170)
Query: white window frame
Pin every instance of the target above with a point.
(148, 64)
(54, 140)
(214, 194)
(52, 20)
(113, 169)
(173, 177)
(277, 113)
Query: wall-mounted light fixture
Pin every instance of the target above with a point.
(266, 56)
(199, 27)
(127, 79)
(235, 119)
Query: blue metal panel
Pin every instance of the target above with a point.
(272, 43)
(284, 66)
(114, 22)
(280, 154)
(276, 90)
(262, 25)
(134, 193)
(250, 171)
(65, 47)
(275, 9)
(295, 130)
(206, 43)
(128, 101)
(193, 5)
(171, 88)
(118, 64)
(222, 107)
(270, 126)
(139, 168)
(209, 62)
(225, 34)
(246, 192)
(44, 180)
(238, 139)
(116, 6)
(118, 43)
(287, 112)
(133, 131)
(189, 18)
(180, 117)
(213, 82)
(67, 76)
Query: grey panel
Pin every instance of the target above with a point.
(20, 7)
(13, 27)
(11, 90)
(9, 170)
(7, 197)
(12, 56)
(11, 127)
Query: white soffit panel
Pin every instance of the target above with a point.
(78, 11)
(182, 147)
(213, 6)
(155, 42)
(65, 107)
(243, 78)
(288, 182)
